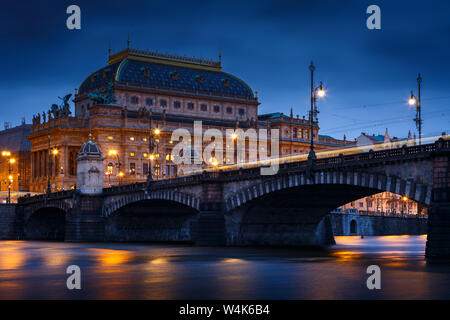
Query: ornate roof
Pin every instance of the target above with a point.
(186, 75)
(90, 148)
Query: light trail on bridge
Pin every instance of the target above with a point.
(328, 153)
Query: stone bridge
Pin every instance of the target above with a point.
(242, 207)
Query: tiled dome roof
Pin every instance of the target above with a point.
(90, 147)
(165, 74)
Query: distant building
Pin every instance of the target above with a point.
(384, 203)
(14, 141)
(114, 103)
(387, 142)
(295, 134)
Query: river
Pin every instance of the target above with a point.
(37, 270)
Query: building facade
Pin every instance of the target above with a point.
(132, 106)
(384, 203)
(14, 160)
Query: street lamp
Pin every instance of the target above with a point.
(404, 200)
(108, 173)
(11, 161)
(121, 174)
(114, 152)
(152, 143)
(316, 93)
(416, 101)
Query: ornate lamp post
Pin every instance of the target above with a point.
(416, 101)
(317, 92)
(113, 152)
(152, 143)
(51, 152)
(11, 161)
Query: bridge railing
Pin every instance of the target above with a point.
(205, 176)
(42, 197)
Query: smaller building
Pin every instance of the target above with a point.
(385, 140)
(14, 160)
(295, 133)
(384, 203)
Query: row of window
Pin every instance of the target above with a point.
(299, 133)
(171, 170)
(190, 106)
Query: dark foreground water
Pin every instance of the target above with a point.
(37, 270)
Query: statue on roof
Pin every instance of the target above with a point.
(65, 107)
(103, 95)
(54, 110)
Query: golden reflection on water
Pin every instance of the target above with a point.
(11, 255)
(124, 271)
(342, 255)
(110, 257)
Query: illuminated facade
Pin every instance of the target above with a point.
(385, 203)
(14, 161)
(124, 102)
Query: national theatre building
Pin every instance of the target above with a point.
(132, 105)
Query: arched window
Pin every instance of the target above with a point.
(353, 226)
(110, 168)
(134, 99)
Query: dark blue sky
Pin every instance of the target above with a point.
(368, 74)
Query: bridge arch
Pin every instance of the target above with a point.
(418, 192)
(151, 217)
(47, 222)
(114, 204)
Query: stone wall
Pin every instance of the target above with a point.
(376, 225)
(7, 221)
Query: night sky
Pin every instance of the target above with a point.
(368, 74)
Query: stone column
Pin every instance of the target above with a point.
(209, 230)
(438, 239)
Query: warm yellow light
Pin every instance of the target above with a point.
(157, 131)
(121, 174)
(55, 151)
(405, 198)
(112, 152)
(12, 160)
(6, 153)
(213, 161)
(234, 136)
(152, 157)
(412, 101)
(10, 178)
(321, 93)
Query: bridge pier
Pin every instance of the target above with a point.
(265, 226)
(85, 222)
(438, 237)
(209, 229)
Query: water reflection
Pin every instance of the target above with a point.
(36, 270)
